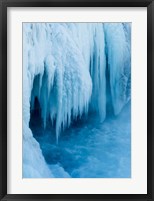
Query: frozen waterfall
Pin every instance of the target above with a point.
(66, 67)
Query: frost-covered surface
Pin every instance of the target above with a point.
(67, 67)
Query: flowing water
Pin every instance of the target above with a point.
(88, 148)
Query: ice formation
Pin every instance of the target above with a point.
(65, 68)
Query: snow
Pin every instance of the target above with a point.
(34, 164)
(64, 67)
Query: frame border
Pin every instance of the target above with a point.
(3, 97)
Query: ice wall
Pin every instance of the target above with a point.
(97, 71)
(64, 66)
(119, 61)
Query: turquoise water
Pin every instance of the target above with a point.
(89, 149)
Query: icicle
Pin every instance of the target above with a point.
(118, 51)
(97, 70)
(70, 62)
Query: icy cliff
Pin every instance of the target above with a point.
(66, 67)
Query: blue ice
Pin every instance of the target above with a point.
(77, 100)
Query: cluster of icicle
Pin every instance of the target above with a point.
(65, 67)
